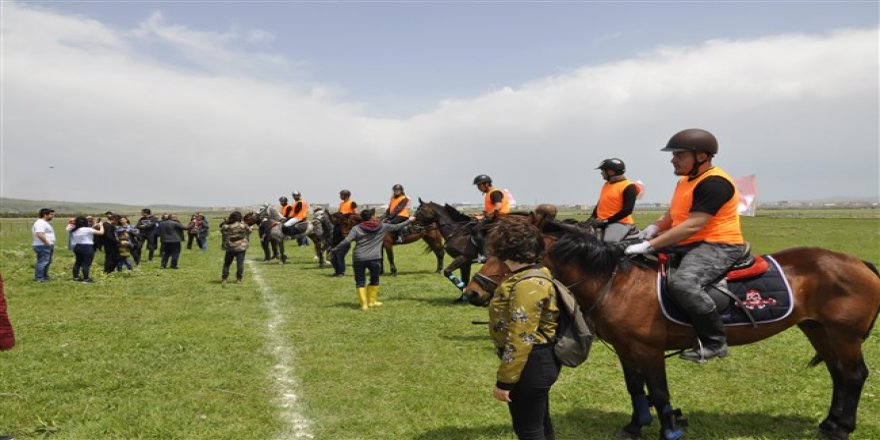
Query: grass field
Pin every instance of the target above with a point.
(164, 354)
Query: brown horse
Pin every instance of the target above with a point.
(836, 303)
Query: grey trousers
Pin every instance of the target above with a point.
(615, 232)
(701, 264)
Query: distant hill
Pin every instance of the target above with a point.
(29, 208)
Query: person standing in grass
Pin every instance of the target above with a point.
(369, 235)
(83, 238)
(43, 244)
(171, 232)
(7, 335)
(523, 317)
(148, 230)
(236, 235)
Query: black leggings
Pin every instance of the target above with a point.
(530, 398)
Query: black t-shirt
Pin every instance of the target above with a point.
(711, 194)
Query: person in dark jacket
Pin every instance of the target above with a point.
(109, 243)
(171, 233)
(368, 235)
(148, 229)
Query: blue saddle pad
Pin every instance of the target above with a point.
(768, 298)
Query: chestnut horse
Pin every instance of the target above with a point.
(836, 303)
(430, 234)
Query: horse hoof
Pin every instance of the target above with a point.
(826, 434)
(671, 434)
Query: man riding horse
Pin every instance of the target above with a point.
(398, 211)
(496, 204)
(702, 228)
(294, 214)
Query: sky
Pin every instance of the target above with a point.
(237, 103)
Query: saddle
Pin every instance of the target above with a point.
(754, 290)
(297, 229)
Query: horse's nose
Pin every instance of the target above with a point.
(474, 297)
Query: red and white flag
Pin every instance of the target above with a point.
(748, 193)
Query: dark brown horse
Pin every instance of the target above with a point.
(457, 229)
(836, 303)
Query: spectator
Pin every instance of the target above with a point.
(83, 237)
(148, 230)
(235, 241)
(203, 232)
(110, 244)
(171, 233)
(43, 243)
(369, 236)
(126, 236)
(7, 336)
(195, 225)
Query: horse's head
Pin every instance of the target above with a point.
(426, 213)
(483, 284)
(320, 214)
(250, 218)
(345, 221)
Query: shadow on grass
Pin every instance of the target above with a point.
(593, 424)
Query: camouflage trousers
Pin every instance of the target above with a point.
(700, 264)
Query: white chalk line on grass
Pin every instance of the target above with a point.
(282, 373)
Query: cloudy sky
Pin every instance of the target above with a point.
(226, 104)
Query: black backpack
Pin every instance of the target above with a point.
(573, 336)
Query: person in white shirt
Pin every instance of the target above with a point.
(82, 237)
(44, 244)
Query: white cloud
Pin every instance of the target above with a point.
(120, 124)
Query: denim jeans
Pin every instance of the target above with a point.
(44, 259)
(85, 254)
(360, 272)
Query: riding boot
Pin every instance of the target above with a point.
(362, 297)
(373, 296)
(713, 342)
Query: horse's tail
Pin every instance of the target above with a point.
(817, 359)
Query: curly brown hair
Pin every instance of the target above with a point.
(514, 239)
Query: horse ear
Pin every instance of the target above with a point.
(420, 201)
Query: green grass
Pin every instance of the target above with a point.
(173, 354)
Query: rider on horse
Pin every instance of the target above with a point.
(613, 211)
(296, 213)
(398, 210)
(702, 227)
(496, 204)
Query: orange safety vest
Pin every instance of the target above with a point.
(392, 205)
(345, 207)
(488, 206)
(611, 200)
(304, 212)
(723, 227)
(286, 211)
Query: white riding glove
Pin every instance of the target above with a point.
(639, 248)
(649, 232)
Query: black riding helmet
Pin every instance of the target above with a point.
(613, 164)
(695, 140)
(282, 199)
(482, 178)
(345, 193)
(397, 186)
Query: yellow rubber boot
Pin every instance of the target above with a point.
(373, 295)
(362, 297)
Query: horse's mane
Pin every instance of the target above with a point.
(456, 214)
(579, 247)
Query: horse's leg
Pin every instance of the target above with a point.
(281, 251)
(845, 362)
(651, 364)
(389, 251)
(319, 252)
(641, 415)
(459, 262)
(435, 242)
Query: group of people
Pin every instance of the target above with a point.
(121, 242)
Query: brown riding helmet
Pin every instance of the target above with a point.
(693, 140)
